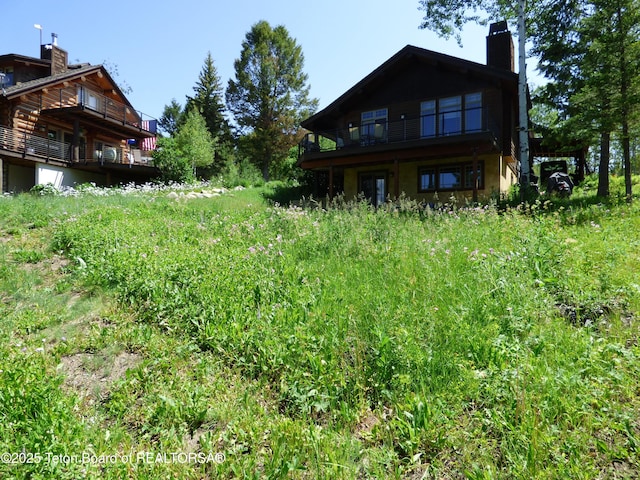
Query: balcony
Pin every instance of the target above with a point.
(445, 129)
(100, 111)
(42, 149)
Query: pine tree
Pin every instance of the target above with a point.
(171, 118)
(269, 96)
(208, 100)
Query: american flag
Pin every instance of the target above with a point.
(149, 144)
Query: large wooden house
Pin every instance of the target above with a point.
(68, 124)
(421, 124)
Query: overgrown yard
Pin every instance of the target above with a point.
(143, 336)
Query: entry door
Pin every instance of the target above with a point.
(374, 187)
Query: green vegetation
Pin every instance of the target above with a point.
(344, 342)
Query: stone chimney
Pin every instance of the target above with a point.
(500, 47)
(59, 58)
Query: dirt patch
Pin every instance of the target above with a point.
(91, 375)
(366, 425)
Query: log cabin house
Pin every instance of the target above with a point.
(423, 124)
(68, 124)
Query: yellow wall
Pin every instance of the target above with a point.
(498, 178)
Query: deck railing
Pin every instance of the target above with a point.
(106, 107)
(425, 127)
(46, 149)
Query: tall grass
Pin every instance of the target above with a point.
(354, 343)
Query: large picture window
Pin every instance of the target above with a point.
(473, 112)
(451, 115)
(449, 177)
(428, 118)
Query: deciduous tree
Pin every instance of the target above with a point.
(191, 147)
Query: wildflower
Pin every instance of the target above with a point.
(252, 250)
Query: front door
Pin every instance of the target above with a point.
(374, 187)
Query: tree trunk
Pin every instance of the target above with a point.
(624, 111)
(626, 153)
(603, 172)
(523, 128)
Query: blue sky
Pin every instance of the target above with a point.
(159, 47)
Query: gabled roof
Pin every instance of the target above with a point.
(411, 54)
(72, 73)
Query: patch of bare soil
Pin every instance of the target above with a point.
(91, 375)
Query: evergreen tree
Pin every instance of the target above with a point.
(208, 100)
(269, 96)
(591, 52)
(171, 118)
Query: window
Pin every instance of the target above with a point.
(473, 112)
(88, 98)
(449, 177)
(450, 115)
(6, 77)
(468, 176)
(427, 178)
(373, 126)
(428, 118)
